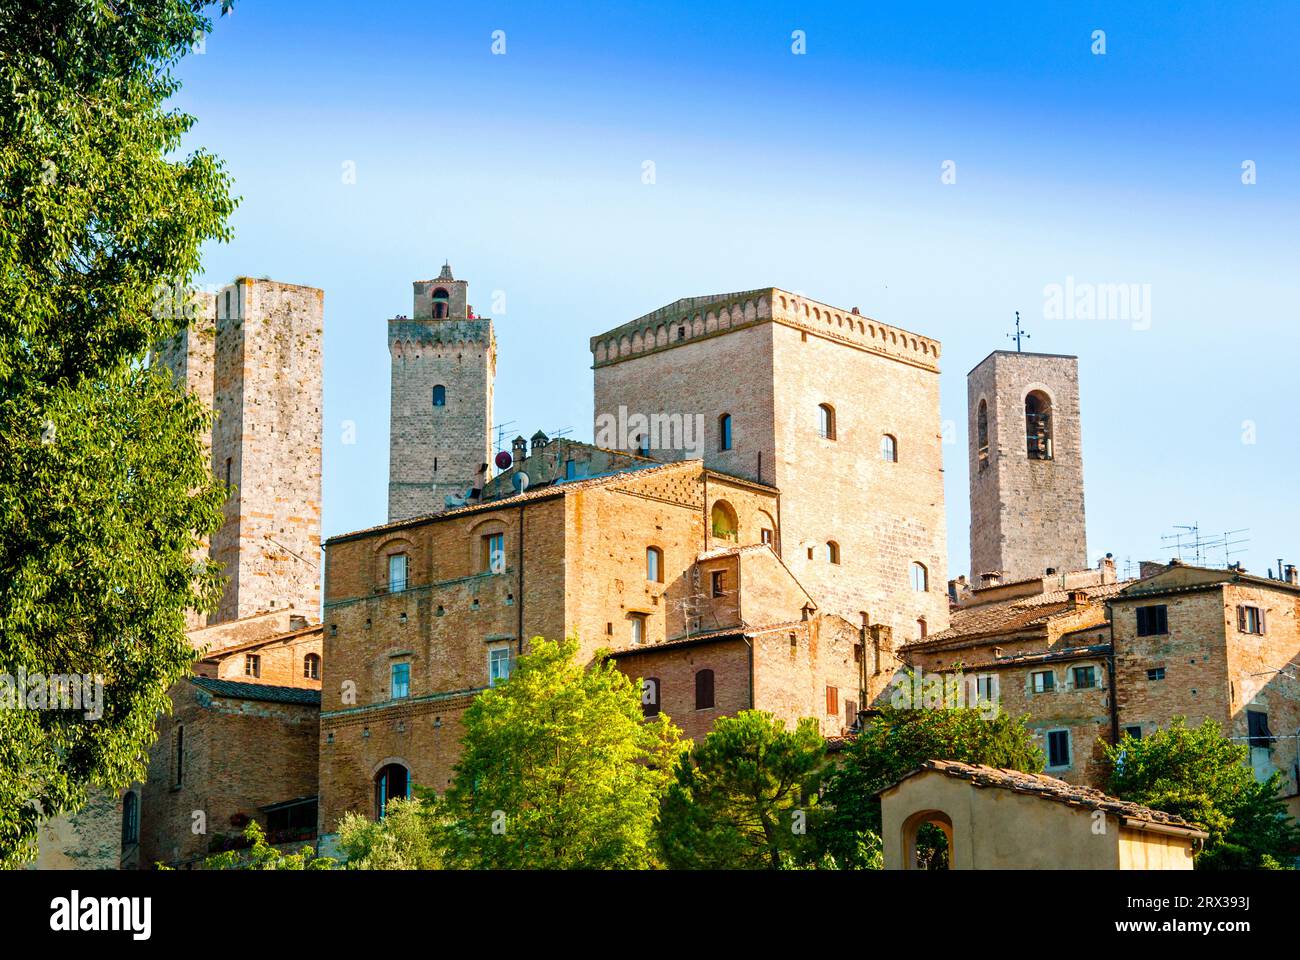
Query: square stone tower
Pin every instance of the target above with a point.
(838, 411)
(444, 367)
(1026, 466)
(253, 353)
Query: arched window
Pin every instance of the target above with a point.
(832, 552)
(724, 432)
(703, 689)
(725, 524)
(130, 818)
(826, 421)
(311, 666)
(654, 565)
(1038, 426)
(920, 577)
(982, 432)
(441, 304)
(888, 449)
(921, 629)
(392, 782)
(440, 396)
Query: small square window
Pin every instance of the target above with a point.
(1085, 678)
(1044, 681)
(1156, 673)
(252, 665)
(1152, 620)
(1250, 619)
(1135, 732)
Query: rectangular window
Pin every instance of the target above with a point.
(570, 469)
(498, 665)
(1134, 731)
(986, 688)
(397, 573)
(400, 686)
(637, 620)
(765, 536)
(493, 558)
(1250, 619)
(850, 712)
(1257, 728)
(1085, 678)
(228, 462)
(252, 665)
(717, 583)
(832, 701)
(1058, 748)
(1156, 673)
(1044, 681)
(1152, 621)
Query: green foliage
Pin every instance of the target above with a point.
(746, 796)
(105, 491)
(894, 743)
(1202, 776)
(260, 855)
(558, 769)
(406, 839)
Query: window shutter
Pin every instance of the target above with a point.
(1241, 619)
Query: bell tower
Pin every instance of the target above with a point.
(443, 367)
(1026, 467)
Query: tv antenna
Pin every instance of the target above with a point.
(502, 429)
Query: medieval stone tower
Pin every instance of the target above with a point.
(836, 410)
(1026, 466)
(253, 353)
(444, 364)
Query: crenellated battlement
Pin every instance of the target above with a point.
(409, 338)
(695, 318)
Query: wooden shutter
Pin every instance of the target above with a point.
(832, 701)
(703, 689)
(1241, 619)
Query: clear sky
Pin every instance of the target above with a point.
(819, 172)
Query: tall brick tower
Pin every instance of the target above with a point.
(838, 411)
(253, 353)
(444, 365)
(1026, 466)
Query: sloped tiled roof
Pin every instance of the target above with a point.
(1019, 613)
(265, 692)
(1050, 788)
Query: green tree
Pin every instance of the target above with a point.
(559, 769)
(1202, 776)
(260, 855)
(105, 490)
(891, 745)
(746, 796)
(405, 839)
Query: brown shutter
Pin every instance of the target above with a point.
(1241, 619)
(832, 701)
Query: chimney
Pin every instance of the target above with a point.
(519, 449)
(1292, 576)
(992, 578)
(1108, 568)
(1078, 598)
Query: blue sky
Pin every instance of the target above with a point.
(819, 173)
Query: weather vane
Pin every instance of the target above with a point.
(1019, 334)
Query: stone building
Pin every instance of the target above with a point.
(443, 369)
(241, 740)
(1041, 648)
(837, 411)
(1026, 467)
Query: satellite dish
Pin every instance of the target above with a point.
(504, 460)
(520, 480)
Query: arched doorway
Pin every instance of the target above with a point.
(393, 781)
(927, 841)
